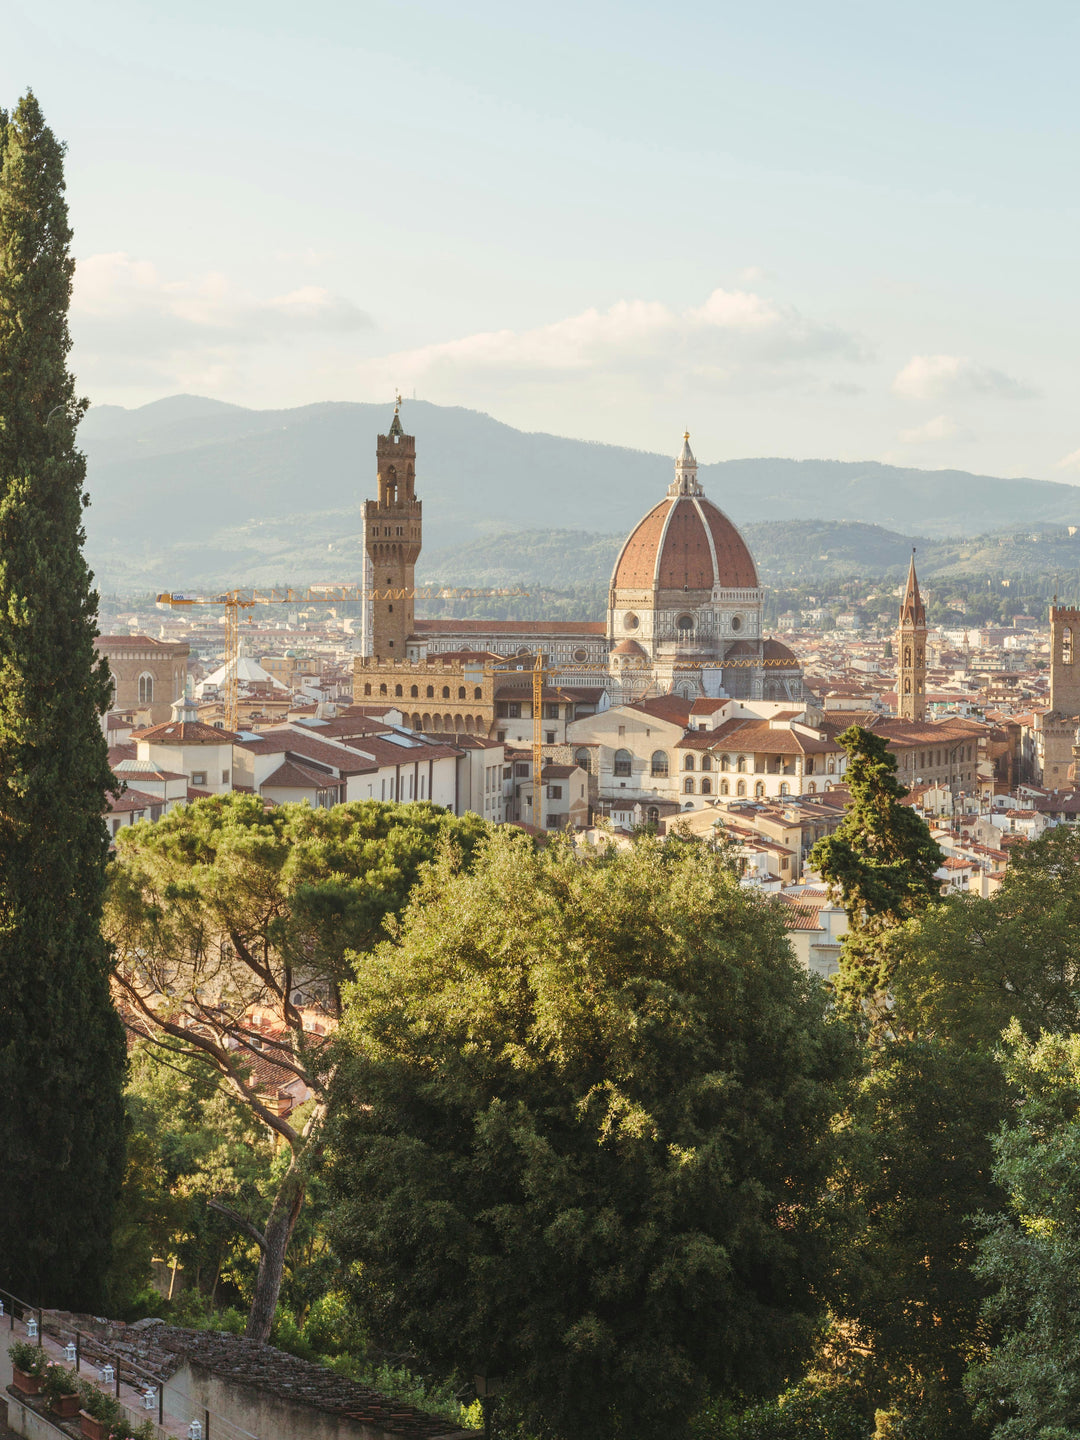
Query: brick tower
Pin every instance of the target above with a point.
(392, 535)
(911, 652)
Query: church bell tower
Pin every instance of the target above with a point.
(911, 652)
(392, 534)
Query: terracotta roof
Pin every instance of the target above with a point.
(685, 542)
(293, 742)
(665, 707)
(117, 753)
(132, 800)
(573, 628)
(292, 776)
(628, 647)
(756, 736)
(185, 732)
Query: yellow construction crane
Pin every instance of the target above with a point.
(233, 601)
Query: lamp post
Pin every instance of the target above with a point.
(488, 1385)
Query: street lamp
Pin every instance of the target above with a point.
(488, 1384)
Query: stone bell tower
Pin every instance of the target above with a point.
(392, 536)
(911, 652)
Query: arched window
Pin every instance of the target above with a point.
(706, 762)
(740, 764)
(414, 691)
(688, 762)
(725, 762)
(907, 687)
(706, 786)
(477, 693)
(446, 692)
(622, 762)
(785, 788)
(654, 815)
(431, 692)
(759, 790)
(907, 654)
(1067, 646)
(461, 692)
(146, 689)
(740, 789)
(725, 788)
(582, 758)
(398, 690)
(685, 623)
(658, 765)
(811, 789)
(367, 688)
(382, 689)
(688, 785)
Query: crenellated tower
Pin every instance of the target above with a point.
(911, 652)
(392, 538)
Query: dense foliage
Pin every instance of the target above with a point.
(231, 923)
(580, 1133)
(61, 1044)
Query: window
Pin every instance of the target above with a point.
(382, 689)
(736, 622)
(367, 688)
(706, 762)
(554, 792)
(224, 777)
(500, 736)
(521, 768)
(759, 790)
(414, 692)
(658, 765)
(785, 788)
(685, 623)
(1066, 646)
(461, 692)
(549, 737)
(725, 788)
(725, 764)
(431, 692)
(688, 785)
(630, 622)
(740, 789)
(551, 710)
(688, 762)
(513, 710)
(198, 777)
(622, 762)
(706, 787)
(811, 789)
(146, 689)
(398, 690)
(582, 758)
(446, 692)
(478, 693)
(740, 765)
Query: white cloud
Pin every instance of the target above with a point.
(1069, 462)
(955, 377)
(733, 331)
(125, 316)
(941, 427)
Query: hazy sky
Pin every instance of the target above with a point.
(836, 229)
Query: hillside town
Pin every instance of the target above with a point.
(674, 712)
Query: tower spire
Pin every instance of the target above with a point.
(686, 481)
(912, 610)
(911, 651)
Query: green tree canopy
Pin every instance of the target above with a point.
(1029, 1388)
(880, 862)
(228, 920)
(581, 1132)
(61, 1045)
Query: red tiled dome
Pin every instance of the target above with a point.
(685, 542)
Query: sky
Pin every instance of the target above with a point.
(844, 230)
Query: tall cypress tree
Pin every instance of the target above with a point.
(61, 1043)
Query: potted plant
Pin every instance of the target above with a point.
(27, 1364)
(61, 1391)
(99, 1413)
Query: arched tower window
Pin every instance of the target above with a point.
(146, 688)
(907, 654)
(1067, 645)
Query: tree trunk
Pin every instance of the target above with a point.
(279, 1227)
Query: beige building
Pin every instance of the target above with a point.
(148, 675)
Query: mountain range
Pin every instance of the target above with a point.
(188, 492)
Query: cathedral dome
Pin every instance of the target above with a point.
(685, 543)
